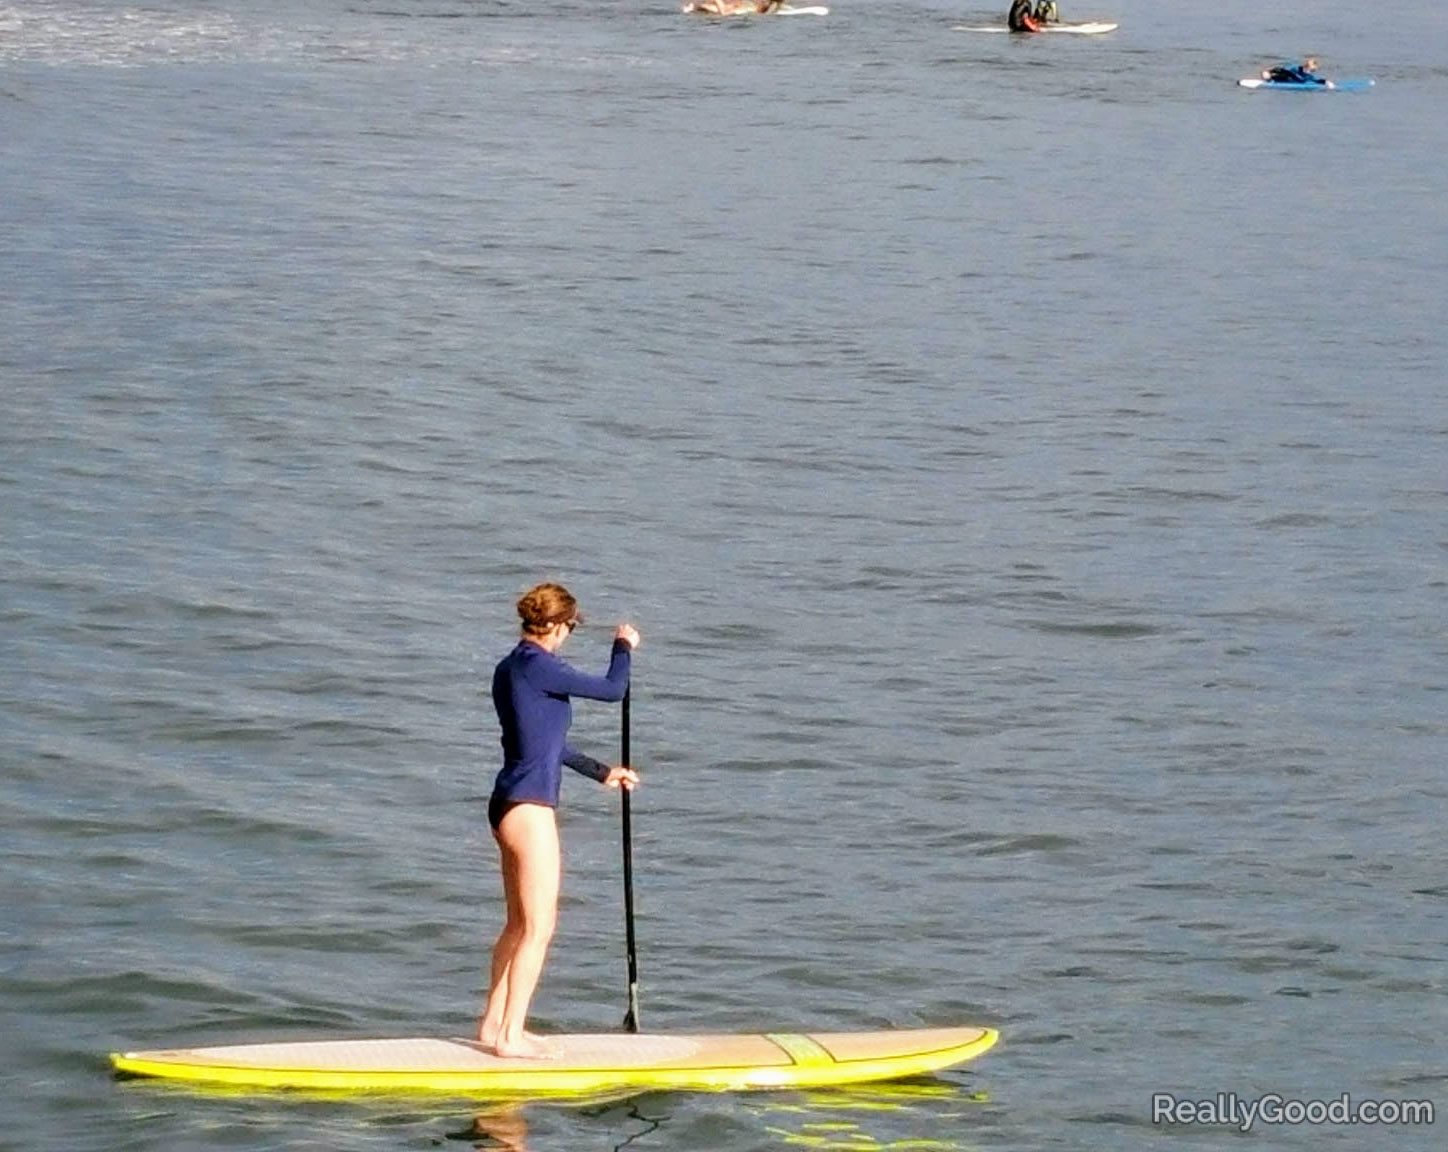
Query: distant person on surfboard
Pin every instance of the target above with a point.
(733, 7)
(1022, 17)
(531, 691)
(1303, 73)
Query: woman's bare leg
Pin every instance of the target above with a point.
(532, 864)
(491, 1020)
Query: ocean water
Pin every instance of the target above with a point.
(1027, 461)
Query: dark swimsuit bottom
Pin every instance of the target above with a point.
(500, 805)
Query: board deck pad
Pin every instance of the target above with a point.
(582, 1063)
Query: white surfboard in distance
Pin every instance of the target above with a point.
(1361, 84)
(783, 10)
(1090, 28)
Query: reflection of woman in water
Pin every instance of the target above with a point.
(733, 7)
(504, 1127)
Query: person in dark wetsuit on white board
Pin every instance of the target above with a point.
(1304, 73)
(1025, 18)
(1022, 17)
(733, 7)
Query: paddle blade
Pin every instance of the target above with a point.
(631, 1018)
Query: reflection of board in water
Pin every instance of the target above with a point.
(581, 1063)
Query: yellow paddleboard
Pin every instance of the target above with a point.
(581, 1063)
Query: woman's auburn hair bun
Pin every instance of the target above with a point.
(544, 605)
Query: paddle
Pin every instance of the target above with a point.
(631, 1020)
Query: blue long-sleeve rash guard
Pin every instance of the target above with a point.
(531, 690)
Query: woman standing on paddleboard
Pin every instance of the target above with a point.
(531, 691)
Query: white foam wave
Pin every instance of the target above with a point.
(68, 33)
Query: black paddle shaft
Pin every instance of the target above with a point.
(631, 1020)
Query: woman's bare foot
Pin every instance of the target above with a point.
(488, 1034)
(526, 1047)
